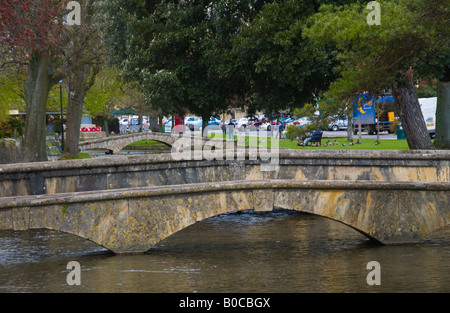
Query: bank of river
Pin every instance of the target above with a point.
(281, 251)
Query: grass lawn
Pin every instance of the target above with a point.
(366, 144)
(81, 155)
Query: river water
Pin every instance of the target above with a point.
(271, 252)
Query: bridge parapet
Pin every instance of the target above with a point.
(160, 170)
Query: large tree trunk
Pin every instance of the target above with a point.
(80, 82)
(411, 116)
(442, 138)
(74, 115)
(37, 87)
(81, 77)
(154, 124)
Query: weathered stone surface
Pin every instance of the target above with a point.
(158, 170)
(10, 151)
(128, 204)
(134, 220)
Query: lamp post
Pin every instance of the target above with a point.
(62, 117)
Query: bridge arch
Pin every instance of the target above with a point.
(116, 143)
(134, 220)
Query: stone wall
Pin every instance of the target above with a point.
(10, 151)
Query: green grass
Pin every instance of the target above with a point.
(146, 143)
(81, 155)
(366, 144)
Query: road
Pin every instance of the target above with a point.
(383, 135)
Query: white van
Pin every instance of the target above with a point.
(428, 106)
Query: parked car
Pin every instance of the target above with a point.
(288, 120)
(302, 121)
(168, 125)
(214, 121)
(194, 123)
(299, 122)
(123, 120)
(242, 123)
(338, 124)
(267, 125)
(257, 123)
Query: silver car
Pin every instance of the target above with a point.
(338, 124)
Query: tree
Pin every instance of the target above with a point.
(36, 38)
(178, 52)
(378, 57)
(85, 56)
(11, 93)
(283, 68)
(32, 32)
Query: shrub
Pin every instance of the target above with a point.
(297, 132)
(10, 127)
(57, 126)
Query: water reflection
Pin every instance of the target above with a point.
(281, 251)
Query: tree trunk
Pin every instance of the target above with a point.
(37, 87)
(411, 117)
(349, 122)
(154, 124)
(442, 138)
(74, 115)
(80, 82)
(205, 123)
(105, 125)
(81, 78)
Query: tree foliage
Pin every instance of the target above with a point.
(370, 56)
(36, 40)
(392, 55)
(31, 33)
(203, 56)
(176, 51)
(282, 67)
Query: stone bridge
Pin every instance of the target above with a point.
(129, 204)
(117, 143)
